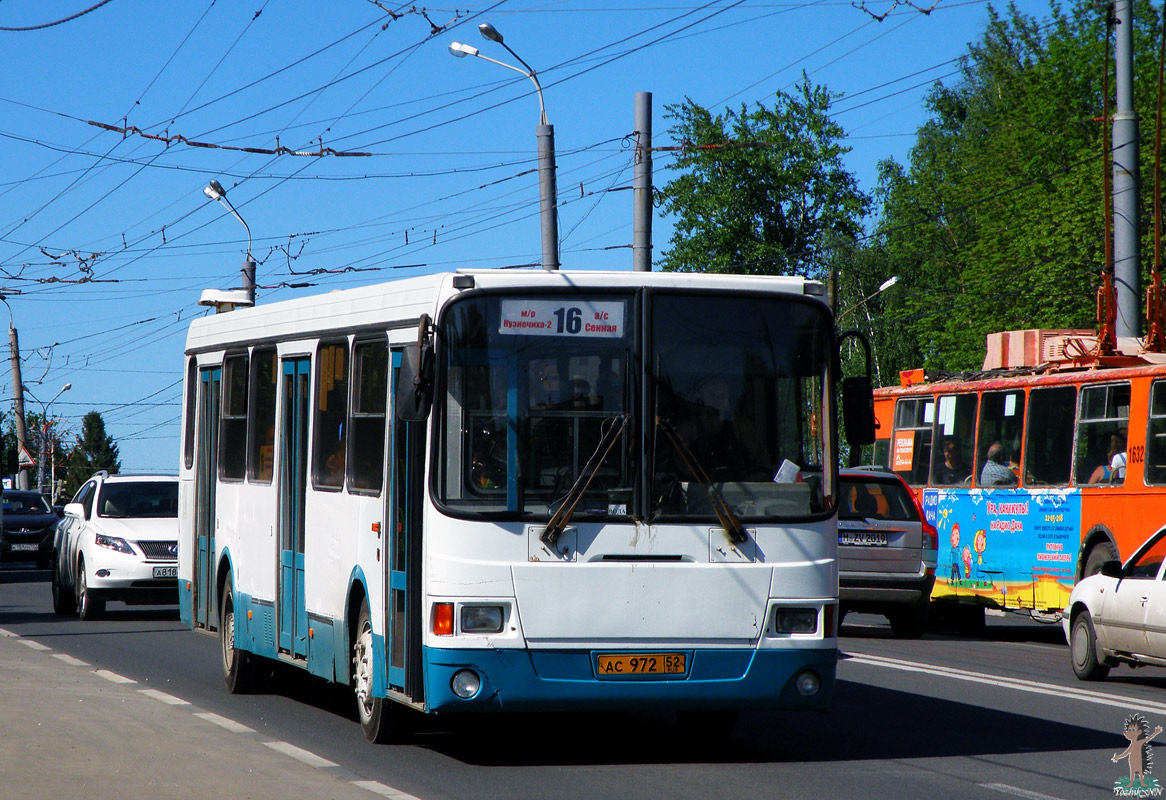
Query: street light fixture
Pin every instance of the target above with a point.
(548, 192)
(226, 300)
(46, 423)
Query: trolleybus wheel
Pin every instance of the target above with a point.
(239, 668)
(1097, 556)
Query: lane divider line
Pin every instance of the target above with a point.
(32, 644)
(384, 791)
(113, 677)
(68, 659)
(1016, 791)
(224, 722)
(300, 754)
(162, 697)
(1033, 687)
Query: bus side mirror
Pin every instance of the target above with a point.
(414, 392)
(858, 410)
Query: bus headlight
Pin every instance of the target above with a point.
(465, 683)
(795, 620)
(482, 619)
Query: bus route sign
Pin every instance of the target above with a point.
(571, 317)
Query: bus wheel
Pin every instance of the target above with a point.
(238, 665)
(1097, 556)
(374, 716)
(1083, 649)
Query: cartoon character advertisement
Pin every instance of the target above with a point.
(1015, 549)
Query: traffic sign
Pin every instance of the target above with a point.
(24, 459)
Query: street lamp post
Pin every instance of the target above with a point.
(215, 191)
(887, 284)
(548, 192)
(46, 423)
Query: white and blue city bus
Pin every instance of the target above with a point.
(520, 491)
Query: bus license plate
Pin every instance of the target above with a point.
(165, 572)
(23, 548)
(642, 664)
(867, 538)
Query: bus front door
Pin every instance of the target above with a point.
(293, 613)
(403, 641)
(209, 408)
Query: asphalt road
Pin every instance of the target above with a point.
(947, 716)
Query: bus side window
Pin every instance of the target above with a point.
(1001, 420)
(331, 414)
(1102, 427)
(1048, 439)
(1156, 435)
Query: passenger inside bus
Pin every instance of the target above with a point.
(995, 472)
(1113, 469)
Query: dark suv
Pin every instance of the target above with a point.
(886, 550)
(29, 525)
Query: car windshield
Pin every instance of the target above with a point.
(139, 499)
(30, 503)
(875, 499)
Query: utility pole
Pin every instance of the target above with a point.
(18, 401)
(1127, 273)
(642, 186)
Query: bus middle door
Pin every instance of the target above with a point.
(293, 477)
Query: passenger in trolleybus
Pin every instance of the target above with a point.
(950, 469)
(995, 472)
(1114, 467)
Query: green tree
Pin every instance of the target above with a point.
(760, 191)
(997, 222)
(95, 450)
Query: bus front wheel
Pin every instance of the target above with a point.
(1097, 556)
(373, 713)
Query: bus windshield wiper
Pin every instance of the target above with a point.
(558, 522)
(733, 527)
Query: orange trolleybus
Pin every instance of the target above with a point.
(1035, 470)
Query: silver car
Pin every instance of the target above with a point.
(1119, 614)
(886, 550)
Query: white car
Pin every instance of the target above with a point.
(1119, 614)
(117, 541)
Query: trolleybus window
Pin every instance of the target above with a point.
(1001, 422)
(1102, 428)
(1156, 435)
(1048, 450)
(331, 414)
(911, 449)
(955, 427)
(233, 428)
(191, 395)
(264, 388)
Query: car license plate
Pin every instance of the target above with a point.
(165, 572)
(863, 538)
(22, 548)
(642, 664)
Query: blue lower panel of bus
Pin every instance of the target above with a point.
(549, 680)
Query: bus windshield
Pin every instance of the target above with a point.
(546, 393)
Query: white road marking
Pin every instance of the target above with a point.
(113, 677)
(68, 659)
(301, 755)
(1017, 792)
(224, 722)
(382, 790)
(1033, 687)
(32, 645)
(168, 699)
(8, 634)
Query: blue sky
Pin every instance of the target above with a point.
(113, 121)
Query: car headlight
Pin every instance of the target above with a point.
(113, 543)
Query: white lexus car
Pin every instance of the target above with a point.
(1119, 614)
(117, 541)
